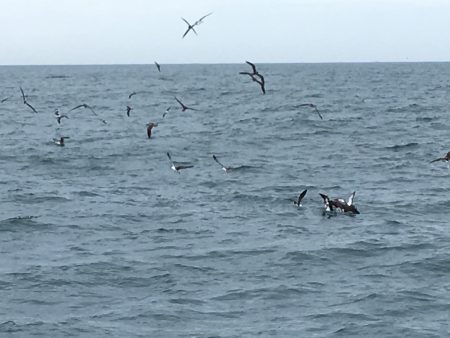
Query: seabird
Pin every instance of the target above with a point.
(167, 110)
(340, 204)
(128, 110)
(86, 106)
(298, 201)
(59, 116)
(223, 167)
(158, 66)
(25, 101)
(60, 141)
(311, 105)
(255, 75)
(4, 100)
(183, 107)
(446, 158)
(177, 168)
(191, 27)
(133, 93)
(150, 126)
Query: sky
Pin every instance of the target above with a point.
(264, 31)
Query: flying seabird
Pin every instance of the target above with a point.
(60, 141)
(183, 107)
(167, 110)
(158, 66)
(128, 110)
(25, 101)
(4, 100)
(223, 167)
(255, 75)
(133, 93)
(191, 27)
(86, 106)
(150, 126)
(177, 168)
(298, 201)
(59, 116)
(340, 204)
(311, 105)
(446, 158)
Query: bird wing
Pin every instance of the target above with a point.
(79, 106)
(23, 95)
(317, 111)
(180, 167)
(170, 158)
(199, 21)
(149, 131)
(32, 108)
(253, 66)
(218, 162)
(436, 160)
(133, 93)
(302, 194)
(181, 103)
(350, 199)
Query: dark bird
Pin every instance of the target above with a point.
(256, 77)
(340, 204)
(446, 158)
(131, 95)
(86, 106)
(150, 126)
(311, 105)
(298, 201)
(219, 163)
(4, 100)
(196, 23)
(129, 109)
(25, 101)
(177, 168)
(158, 66)
(59, 116)
(183, 107)
(60, 141)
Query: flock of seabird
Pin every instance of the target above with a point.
(331, 205)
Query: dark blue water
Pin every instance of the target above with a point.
(100, 238)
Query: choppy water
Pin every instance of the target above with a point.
(100, 237)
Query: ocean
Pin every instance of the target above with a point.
(100, 238)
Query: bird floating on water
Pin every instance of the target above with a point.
(177, 168)
(196, 23)
(340, 204)
(60, 141)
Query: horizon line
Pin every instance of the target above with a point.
(212, 63)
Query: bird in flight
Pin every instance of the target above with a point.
(219, 163)
(446, 158)
(158, 66)
(150, 126)
(256, 77)
(177, 168)
(86, 106)
(165, 113)
(298, 201)
(129, 109)
(25, 101)
(183, 107)
(311, 105)
(196, 23)
(59, 116)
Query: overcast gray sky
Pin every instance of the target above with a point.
(142, 31)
